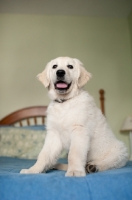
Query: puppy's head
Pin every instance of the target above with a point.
(62, 75)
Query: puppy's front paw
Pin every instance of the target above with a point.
(28, 171)
(77, 173)
(24, 171)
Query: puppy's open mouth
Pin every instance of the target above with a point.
(61, 85)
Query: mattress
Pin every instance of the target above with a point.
(112, 184)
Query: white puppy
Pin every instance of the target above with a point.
(75, 123)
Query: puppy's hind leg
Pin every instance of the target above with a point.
(117, 157)
(48, 155)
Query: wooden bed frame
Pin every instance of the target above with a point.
(34, 112)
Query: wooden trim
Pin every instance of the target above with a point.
(102, 100)
(24, 114)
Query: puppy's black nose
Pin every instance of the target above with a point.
(60, 73)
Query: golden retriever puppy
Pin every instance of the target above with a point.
(75, 123)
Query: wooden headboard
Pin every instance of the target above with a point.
(35, 112)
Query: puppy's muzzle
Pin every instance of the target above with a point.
(61, 84)
(60, 73)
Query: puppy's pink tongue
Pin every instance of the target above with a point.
(61, 85)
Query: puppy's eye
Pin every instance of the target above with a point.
(54, 66)
(70, 66)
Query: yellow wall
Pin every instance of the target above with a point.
(28, 42)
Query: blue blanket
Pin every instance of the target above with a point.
(108, 185)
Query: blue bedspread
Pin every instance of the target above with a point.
(108, 185)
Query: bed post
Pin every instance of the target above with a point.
(102, 99)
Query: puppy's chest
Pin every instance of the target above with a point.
(59, 121)
(59, 114)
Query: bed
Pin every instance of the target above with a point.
(28, 124)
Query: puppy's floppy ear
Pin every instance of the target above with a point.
(84, 76)
(44, 78)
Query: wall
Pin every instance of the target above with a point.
(130, 27)
(28, 42)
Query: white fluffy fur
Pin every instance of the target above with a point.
(77, 125)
